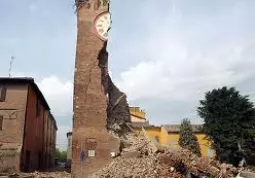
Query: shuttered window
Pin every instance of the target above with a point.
(1, 122)
(2, 93)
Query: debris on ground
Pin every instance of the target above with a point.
(140, 160)
(56, 174)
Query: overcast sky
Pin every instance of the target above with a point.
(164, 54)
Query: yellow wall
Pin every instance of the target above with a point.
(153, 132)
(171, 139)
(137, 112)
(165, 138)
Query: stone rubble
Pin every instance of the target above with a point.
(139, 160)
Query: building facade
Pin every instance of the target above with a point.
(23, 129)
(50, 128)
(138, 118)
(168, 136)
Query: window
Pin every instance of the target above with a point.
(2, 93)
(37, 108)
(1, 122)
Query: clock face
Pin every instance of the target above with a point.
(102, 25)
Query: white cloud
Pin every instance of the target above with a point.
(181, 76)
(188, 56)
(61, 136)
(58, 93)
(184, 55)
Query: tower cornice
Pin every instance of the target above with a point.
(92, 5)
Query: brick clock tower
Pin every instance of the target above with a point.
(92, 145)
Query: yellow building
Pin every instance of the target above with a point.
(138, 118)
(167, 135)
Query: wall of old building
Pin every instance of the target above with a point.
(48, 140)
(13, 111)
(45, 139)
(52, 141)
(170, 139)
(53, 144)
(34, 133)
(28, 129)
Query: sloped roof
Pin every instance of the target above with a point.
(25, 80)
(176, 128)
(137, 116)
(140, 124)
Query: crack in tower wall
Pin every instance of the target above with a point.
(99, 121)
(118, 114)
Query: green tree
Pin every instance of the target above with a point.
(229, 123)
(61, 155)
(188, 139)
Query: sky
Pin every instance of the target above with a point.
(163, 54)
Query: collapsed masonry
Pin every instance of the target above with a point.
(140, 156)
(118, 115)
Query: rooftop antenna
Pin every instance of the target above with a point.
(11, 61)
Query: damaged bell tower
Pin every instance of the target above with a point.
(93, 146)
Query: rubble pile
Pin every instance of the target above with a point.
(48, 175)
(37, 175)
(139, 160)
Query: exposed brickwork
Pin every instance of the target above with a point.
(90, 102)
(15, 105)
(22, 138)
(49, 140)
(13, 110)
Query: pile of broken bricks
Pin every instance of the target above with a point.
(140, 159)
(37, 175)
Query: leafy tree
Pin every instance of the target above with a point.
(61, 155)
(229, 123)
(188, 139)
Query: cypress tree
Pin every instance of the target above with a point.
(188, 139)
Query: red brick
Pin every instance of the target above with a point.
(90, 117)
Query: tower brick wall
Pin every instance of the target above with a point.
(91, 143)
